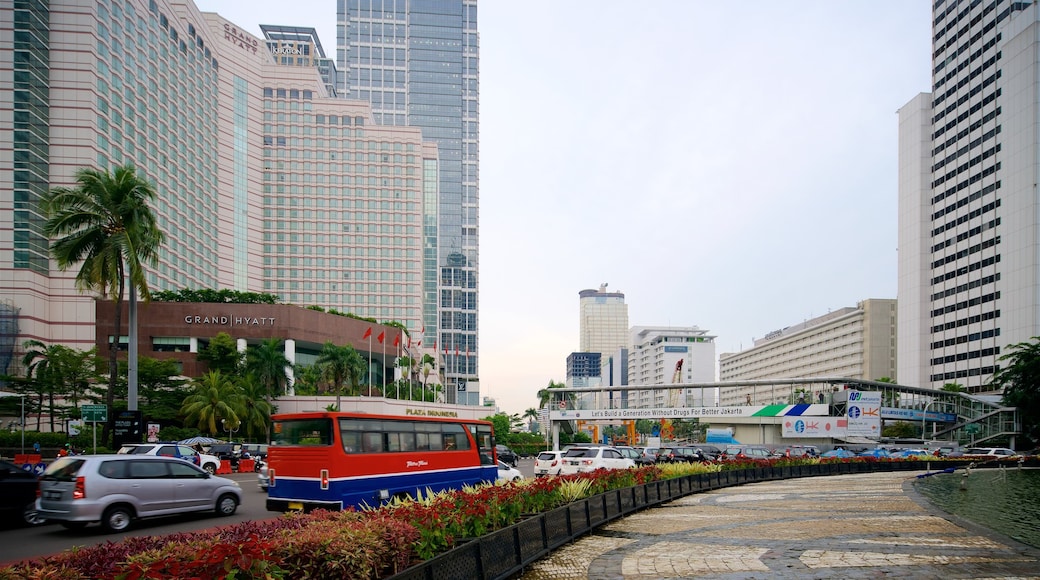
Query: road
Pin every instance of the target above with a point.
(20, 543)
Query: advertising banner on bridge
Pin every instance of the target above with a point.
(864, 414)
(814, 427)
(689, 412)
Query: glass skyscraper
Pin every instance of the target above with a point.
(417, 63)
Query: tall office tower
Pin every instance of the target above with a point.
(264, 182)
(659, 353)
(416, 61)
(300, 46)
(969, 263)
(603, 321)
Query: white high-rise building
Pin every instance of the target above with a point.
(654, 356)
(969, 215)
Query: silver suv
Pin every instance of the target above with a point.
(114, 490)
(210, 463)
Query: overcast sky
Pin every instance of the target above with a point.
(726, 165)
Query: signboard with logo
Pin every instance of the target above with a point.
(863, 412)
(814, 427)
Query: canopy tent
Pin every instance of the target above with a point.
(200, 439)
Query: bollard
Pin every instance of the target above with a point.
(964, 481)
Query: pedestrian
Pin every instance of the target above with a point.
(749, 398)
(819, 397)
(36, 448)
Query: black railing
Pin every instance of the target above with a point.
(503, 553)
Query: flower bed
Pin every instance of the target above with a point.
(382, 542)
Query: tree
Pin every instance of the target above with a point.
(545, 396)
(953, 388)
(215, 397)
(340, 364)
(531, 415)
(267, 362)
(58, 372)
(901, 430)
(162, 391)
(255, 411)
(106, 225)
(1020, 382)
(221, 354)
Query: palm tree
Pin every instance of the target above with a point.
(256, 411)
(340, 364)
(105, 223)
(37, 360)
(531, 414)
(268, 362)
(216, 397)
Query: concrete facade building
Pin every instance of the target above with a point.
(603, 321)
(656, 352)
(969, 156)
(417, 63)
(265, 183)
(855, 342)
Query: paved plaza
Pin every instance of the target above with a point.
(849, 526)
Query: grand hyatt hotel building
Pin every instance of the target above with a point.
(265, 183)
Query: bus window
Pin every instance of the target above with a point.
(456, 435)
(302, 432)
(485, 442)
(372, 442)
(351, 441)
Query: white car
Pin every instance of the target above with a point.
(208, 462)
(990, 452)
(508, 473)
(548, 463)
(588, 459)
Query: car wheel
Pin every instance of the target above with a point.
(210, 468)
(226, 505)
(117, 518)
(73, 525)
(30, 516)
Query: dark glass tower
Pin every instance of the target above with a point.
(416, 62)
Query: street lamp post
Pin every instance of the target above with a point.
(229, 427)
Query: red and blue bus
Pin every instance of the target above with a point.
(334, 460)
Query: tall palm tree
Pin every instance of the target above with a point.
(256, 411)
(267, 361)
(340, 364)
(215, 398)
(531, 414)
(106, 225)
(37, 360)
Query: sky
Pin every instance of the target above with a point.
(730, 166)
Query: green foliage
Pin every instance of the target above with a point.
(901, 430)
(500, 423)
(1020, 382)
(214, 402)
(953, 388)
(340, 366)
(221, 354)
(224, 296)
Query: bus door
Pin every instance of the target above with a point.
(485, 443)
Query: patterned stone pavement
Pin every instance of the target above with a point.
(850, 526)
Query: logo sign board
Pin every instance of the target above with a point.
(863, 413)
(814, 427)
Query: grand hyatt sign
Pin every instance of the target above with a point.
(229, 320)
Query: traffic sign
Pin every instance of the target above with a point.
(95, 413)
(973, 428)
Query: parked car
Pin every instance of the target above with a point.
(680, 455)
(204, 460)
(18, 494)
(795, 451)
(630, 452)
(587, 459)
(116, 490)
(506, 455)
(745, 452)
(710, 451)
(508, 472)
(548, 463)
(648, 455)
(989, 452)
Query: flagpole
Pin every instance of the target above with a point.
(383, 342)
